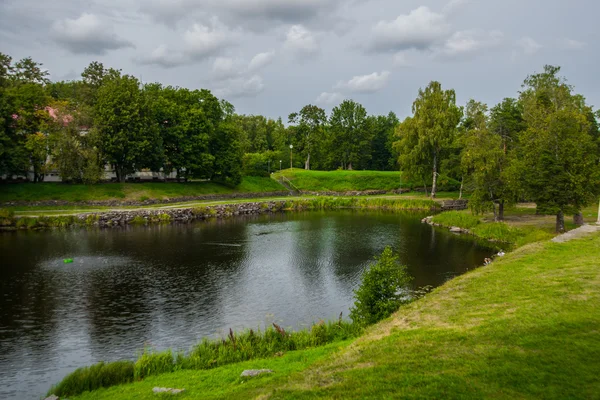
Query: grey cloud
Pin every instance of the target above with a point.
(465, 44)
(163, 57)
(87, 35)
(241, 87)
(419, 29)
(300, 42)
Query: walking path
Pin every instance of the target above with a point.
(577, 233)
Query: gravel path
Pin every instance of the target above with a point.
(577, 233)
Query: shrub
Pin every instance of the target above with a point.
(91, 378)
(6, 213)
(380, 293)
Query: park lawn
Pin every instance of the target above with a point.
(344, 181)
(526, 326)
(347, 181)
(130, 191)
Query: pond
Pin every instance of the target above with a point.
(168, 286)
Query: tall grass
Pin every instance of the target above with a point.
(208, 354)
(97, 376)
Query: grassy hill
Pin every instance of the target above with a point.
(527, 326)
(345, 181)
(130, 191)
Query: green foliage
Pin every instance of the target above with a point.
(94, 377)
(351, 137)
(6, 213)
(425, 138)
(309, 129)
(381, 291)
(261, 164)
(558, 157)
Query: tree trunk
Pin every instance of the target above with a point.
(578, 219)
(307, 163)
(425, 186)
(434, 184)
(598, 222)
(462, 181)
(560, 222)
(350, 167)
(501, 211)
(495, 212)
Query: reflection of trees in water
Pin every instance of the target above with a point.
(172, 282)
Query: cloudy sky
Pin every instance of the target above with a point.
(271, 57)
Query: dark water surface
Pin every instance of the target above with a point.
(168, 286)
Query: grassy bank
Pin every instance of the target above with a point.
(524, 327)
(521, 226)
(235, 348)
(130, 191)
(346, 181)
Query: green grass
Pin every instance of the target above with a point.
(238, 347)
(223, 382)
(346, 181)
(527, 326)
(130, 191)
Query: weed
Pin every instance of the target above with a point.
(94, 377)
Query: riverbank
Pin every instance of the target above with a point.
(521, 225)
(525, 326)
(112, 194)
(116, 218)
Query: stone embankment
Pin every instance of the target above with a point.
(453, 229)
(119, 218)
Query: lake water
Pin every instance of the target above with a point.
(168, 286)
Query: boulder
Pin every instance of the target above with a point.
(256, 372)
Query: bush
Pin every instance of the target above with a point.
(380, 293)
(6, 213)
(91, 378)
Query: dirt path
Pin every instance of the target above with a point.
(577, 233)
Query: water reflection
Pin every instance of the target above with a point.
(170, 285)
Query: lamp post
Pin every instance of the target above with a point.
(280, 161)
(291, 156)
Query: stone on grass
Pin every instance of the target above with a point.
(167, 390)
(456, 229)
(52, 397)
(256, 372)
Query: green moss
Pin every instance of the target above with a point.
(138, 220)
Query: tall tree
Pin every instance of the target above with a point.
(350, 136)
(310, 122)
(430, 132)
(382, 128)
(129, 138)
(559, 156)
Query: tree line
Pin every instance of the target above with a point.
(542, 145)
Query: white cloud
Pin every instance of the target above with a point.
(242, 87)
(203, 41)
(163, 57)
(329, 98)
(529, 45)
(468, 43)
(300, 41)
(571, 44)
(420, 29)
(366, 83)
(403, 59)
(261, 60)
(87, 35)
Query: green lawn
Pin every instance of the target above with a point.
(130, 191)
(527, 326)
(345, 181)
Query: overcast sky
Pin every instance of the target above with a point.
(272, 57)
